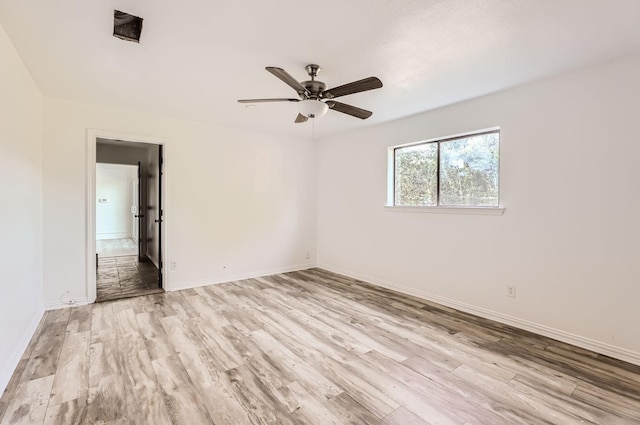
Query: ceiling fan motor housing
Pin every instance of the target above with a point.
(315, 88)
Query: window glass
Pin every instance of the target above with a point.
(469, 171)
(454, 172)
(416, 175)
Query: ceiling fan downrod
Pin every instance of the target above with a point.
(313, 70)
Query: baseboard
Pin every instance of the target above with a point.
(242, 276)
(557, 334)
(61, 304)
(10, 366)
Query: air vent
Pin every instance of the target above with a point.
(127, 27)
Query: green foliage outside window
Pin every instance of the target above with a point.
(468, 169)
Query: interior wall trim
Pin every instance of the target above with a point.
(557, 334)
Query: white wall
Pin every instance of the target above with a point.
(21, 304)
(113, 216)
(237, 202)
(569, 239)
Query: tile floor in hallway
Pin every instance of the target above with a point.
(122, 277)
(116, 247)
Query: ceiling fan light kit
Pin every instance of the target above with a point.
(313, 92)
(312, 108)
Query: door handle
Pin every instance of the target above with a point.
(141, 215)
(158, 220)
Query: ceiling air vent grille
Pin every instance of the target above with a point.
(127, 27)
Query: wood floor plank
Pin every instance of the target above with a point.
(335, 366)
(271, 373)
(306, 375)
(79, 319)
(11, 389)
(144, 401)
(44, 358)
(578, 410)
(73, 412)
(29, 405)
(577, 370)
(608, 401)
(339, 370)
(472, 357)
(465, 408)
(337, 337)
(305, 348)
(156, 303)
(546, 409)
(102, 323)
(261, 403)
(141, 395)
(155, 338)
(182, 399)
(106, 386)
(206, 375)
(468, 390)
(418, 403)
(241, 319)
(72, 375)
(357, 387)
(57, 316)
(350, 412)
(376, 342)
(402, 416)
(501, 367)
(305, 408)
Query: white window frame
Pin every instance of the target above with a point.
(390, 205)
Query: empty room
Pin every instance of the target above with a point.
(372, 212)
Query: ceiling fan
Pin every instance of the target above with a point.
(315, 100)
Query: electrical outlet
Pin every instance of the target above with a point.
(308, 256)
(174, 266)
(511, 291)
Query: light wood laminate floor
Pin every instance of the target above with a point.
(305, 348)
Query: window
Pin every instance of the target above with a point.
(461, 171)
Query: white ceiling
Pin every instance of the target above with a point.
(196, 57)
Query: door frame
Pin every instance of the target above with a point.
(90, 212)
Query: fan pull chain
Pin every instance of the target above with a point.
(313, 131)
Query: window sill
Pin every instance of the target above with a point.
(448, 210)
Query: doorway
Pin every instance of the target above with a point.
(127, 219)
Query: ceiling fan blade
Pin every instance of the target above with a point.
(363, 114)
(266, 100)
(355, 87)
(301, 118)
(288, 79)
